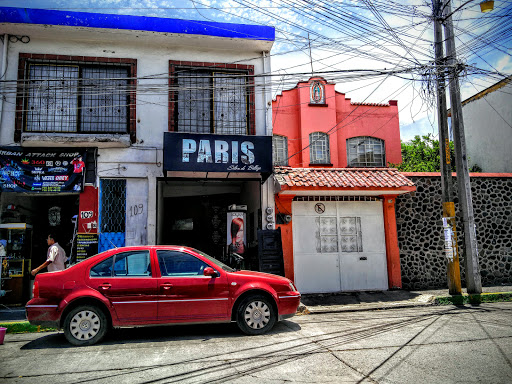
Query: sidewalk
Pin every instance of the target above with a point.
(375, 300)
(334, 302)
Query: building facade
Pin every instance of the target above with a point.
(335, 196)
(125, 130)
(487, 124)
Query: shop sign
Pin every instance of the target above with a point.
(217, 153)
(39, 170)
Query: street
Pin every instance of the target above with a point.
(435, 344)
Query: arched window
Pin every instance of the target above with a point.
(279, 150)
(365, 151)
(319, 148)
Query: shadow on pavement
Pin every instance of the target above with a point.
(359, 297)
(157, 334)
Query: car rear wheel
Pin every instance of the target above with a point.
(85, 325)
(255, 315)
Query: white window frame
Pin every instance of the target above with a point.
(319, 148)
(280, 150)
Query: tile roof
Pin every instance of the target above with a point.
(341, 178)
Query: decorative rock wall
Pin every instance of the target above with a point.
(420, 234)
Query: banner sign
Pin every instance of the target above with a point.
(37, 170)
(217, 153)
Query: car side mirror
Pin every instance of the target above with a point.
(208, 271)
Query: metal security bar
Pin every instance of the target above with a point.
(280, 150)
(336, 198)
(366, 152)
(319, 148)
(76, 98)
(211, 102)
(113, 205)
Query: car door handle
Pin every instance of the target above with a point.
(166, 286)
(105, 286)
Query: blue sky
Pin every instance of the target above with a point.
(341, 36)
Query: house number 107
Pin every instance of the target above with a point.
(137, 209)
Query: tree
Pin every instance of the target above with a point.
(421, 154)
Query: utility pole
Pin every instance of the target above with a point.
(473, 279)
(451, 247)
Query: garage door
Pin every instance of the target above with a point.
(339, 246)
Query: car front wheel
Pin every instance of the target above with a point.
(255, 315)
(85, 325)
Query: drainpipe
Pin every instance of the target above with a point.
(268, 194)
(3, 71)
(266, 69)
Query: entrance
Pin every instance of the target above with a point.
(27, 220)
(339, 246)
(194, 214)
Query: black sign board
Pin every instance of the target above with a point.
(195, 152)
(39, 170)
(86, 245)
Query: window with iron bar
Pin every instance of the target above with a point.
(73, 96)
(280, 149)
(365, 151)
(211, 99)
(319, 148)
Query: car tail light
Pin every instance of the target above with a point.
(35, 290)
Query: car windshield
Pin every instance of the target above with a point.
(225, 267)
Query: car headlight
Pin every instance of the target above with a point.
(292, 287)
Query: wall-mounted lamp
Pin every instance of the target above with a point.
(486, 6)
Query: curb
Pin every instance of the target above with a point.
(422, 301)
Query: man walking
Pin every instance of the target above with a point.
(55, 257)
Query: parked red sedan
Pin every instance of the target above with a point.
(144, 285)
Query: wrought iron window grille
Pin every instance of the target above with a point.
(76, 97)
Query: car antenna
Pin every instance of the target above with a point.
(115, 246)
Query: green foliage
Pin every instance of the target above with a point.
(421, 154)
(474, 299)
(23, 327)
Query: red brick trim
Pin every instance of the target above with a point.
(26, 58)
(248, 69)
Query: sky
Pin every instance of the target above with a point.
(374, 51)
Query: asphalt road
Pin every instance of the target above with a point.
(413, 345)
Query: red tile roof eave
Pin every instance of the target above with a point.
(402, 189)
(454, 174)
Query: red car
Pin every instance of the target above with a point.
(147, 285)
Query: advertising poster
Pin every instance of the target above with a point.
(86, 245)
(40, 170)
(236, 232)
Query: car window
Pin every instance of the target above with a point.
(179, 264)
(132, 264)
(103, 269)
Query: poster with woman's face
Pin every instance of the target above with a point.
(236, 232)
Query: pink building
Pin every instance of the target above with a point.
(315, 126)
(335, 198)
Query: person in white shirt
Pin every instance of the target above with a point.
(55, 257)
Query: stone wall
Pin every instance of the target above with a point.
(420, 235)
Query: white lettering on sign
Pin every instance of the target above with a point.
(86, 214)
(221, 151)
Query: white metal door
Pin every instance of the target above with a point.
(362, 246)
(315, 271)
(339, 246)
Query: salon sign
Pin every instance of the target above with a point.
(217, 153)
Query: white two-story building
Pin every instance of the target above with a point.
(146, 130)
